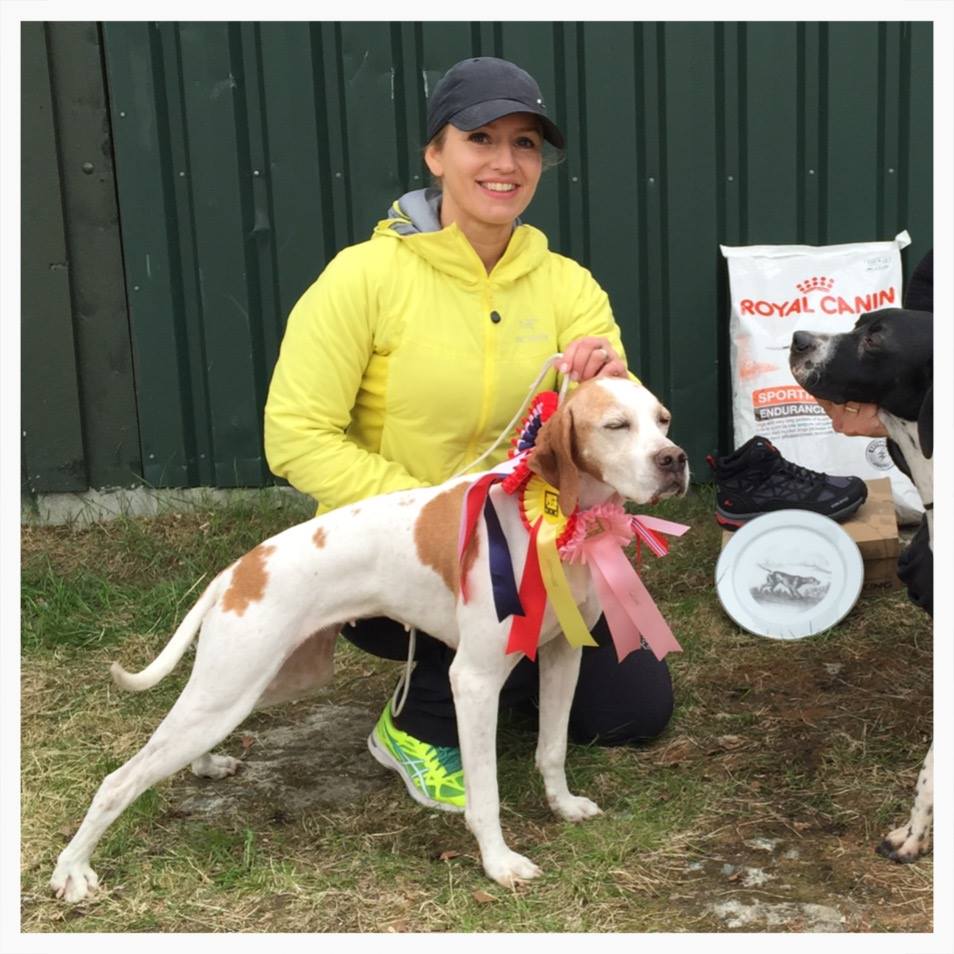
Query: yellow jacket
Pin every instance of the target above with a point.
(405, 360)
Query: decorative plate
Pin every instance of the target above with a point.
(789, 574)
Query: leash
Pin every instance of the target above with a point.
(404, 681)
(547, 365)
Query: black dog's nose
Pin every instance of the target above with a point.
(803, 341)
(671, 458)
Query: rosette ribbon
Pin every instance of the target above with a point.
(543, 577)
(598, 540)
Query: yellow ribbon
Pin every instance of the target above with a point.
(542, 502)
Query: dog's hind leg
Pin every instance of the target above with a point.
(559, 670)
(911, 841)
(308, 667)
(214, 766)
(207, 710)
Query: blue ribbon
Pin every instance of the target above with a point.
(506, 596)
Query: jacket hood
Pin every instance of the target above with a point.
(415, 220)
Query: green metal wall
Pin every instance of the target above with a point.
(79, 423)
(247, 154)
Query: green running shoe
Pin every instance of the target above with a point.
(432, 774)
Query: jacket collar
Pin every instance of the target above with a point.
(415, 219)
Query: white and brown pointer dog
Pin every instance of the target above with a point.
(886, 359)
(269, 621)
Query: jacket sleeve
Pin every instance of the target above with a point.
(588, 313)
(328, 342)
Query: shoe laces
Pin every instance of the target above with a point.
(800, 473)
(447, 758)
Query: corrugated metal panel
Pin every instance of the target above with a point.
(79, 412)
(248, 154)
(52, 439)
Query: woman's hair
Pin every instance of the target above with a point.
(550, 154)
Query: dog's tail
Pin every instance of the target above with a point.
(173, 651)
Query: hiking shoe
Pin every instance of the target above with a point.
(756, 479)
(432, 774)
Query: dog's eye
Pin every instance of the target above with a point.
(617, 426)
(872, 340)
(664, 419)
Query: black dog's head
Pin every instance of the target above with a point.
(886, 359)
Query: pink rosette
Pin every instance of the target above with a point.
(608, 518)
(597, 541)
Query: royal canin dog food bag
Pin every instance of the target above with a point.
(780, 289)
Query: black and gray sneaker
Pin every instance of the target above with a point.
(756, 479)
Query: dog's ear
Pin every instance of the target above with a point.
(926, 423)
(552, 458)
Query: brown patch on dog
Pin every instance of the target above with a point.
(435, 534)
(554, 460)
(591, 405)
(320, 537)
(248, 581)
(560, 452)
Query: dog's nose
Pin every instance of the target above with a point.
(803, 341)
(671, 458)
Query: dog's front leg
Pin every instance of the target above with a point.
(559, 670)
(911, 841)
(476, 678)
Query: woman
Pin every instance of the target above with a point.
(916, 560)
(408, 357)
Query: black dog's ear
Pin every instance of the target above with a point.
(926, 423)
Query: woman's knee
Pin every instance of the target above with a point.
(619, 703)
(618, 726)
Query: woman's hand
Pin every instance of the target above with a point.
(591, 358)
(854, 420)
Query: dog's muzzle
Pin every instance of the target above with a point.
(673, 467)
(803, 341)
(805, 355)
(671, 459)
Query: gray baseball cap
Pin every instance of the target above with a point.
(479, 90)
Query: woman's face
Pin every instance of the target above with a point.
(488, 175)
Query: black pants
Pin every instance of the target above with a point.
(614, 703)
(916, 569)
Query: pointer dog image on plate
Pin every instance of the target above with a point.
(887, 360)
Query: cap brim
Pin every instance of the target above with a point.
(473, 117)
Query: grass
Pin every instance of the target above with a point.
(811, 746)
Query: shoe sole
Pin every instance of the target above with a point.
(385, 758)
(735, 520)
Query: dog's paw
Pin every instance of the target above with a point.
(510, 869)
(72, 882)
(215, 766)
(574, 808)
(905, 844)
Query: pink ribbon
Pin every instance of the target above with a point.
(601, 534)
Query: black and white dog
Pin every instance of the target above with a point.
(886, 359)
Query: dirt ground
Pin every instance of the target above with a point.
(793, 850)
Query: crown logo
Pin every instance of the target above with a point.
(815, 283)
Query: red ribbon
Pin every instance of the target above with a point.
(525, 630)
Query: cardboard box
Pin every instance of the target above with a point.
(874, 527)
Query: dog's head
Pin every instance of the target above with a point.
(886, 359)
(611, 431)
